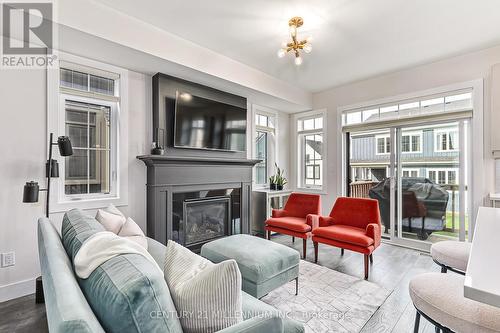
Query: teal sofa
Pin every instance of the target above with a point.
(68, 309)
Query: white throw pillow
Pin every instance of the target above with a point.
(208, 294)
(133, 232)
(110, 221)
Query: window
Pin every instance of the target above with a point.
(90, 103)
(410, 172)
(310, 133)
(446, 140)
(411, 142)
(443, 176)
(383, 144)
(264, 142)
(447, 102)
(261, 154)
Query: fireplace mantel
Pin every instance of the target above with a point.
(164, 159)
(168, 175)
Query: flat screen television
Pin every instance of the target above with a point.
(202, 123)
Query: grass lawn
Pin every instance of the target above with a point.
(449, 225)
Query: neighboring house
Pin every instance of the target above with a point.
(429, 152)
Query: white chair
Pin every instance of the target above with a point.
(451, 255)
(440, 299)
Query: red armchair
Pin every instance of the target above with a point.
(353, 224)
(296, 218)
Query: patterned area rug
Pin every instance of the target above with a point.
(328, 301)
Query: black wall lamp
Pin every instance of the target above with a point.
(31, 188)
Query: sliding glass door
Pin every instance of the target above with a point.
(431, 182)
(369, 168)
(418, 174)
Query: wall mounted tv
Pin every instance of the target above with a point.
(201, 123)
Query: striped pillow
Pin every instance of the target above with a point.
(207, 296)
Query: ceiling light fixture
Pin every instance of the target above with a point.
(295, 45)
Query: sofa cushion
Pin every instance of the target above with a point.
(127, 293)
(344, 233)
(297, 224)
(133, 232)
(76, 228)
(111, 218)
(212, 292)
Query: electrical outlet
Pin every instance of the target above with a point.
(8, 259)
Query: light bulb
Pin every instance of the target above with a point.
(281, 53)
(307, 48)
(309, 39)
(298, 60)
(284, 45)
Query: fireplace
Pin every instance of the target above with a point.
(205, 220)
(195, 200)
(202, 216)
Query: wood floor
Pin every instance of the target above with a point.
(393, 268)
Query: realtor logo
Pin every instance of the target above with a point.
(28, 34)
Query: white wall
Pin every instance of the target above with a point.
(463, 68)
(23, 142)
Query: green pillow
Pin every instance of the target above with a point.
(127, 293)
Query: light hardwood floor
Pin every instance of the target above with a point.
(393, 268)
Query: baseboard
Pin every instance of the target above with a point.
(17, 289)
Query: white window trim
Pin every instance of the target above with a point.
(447, 175)
(386, 137)
(410, 170)
(55, 123)
(272, 154)
(412, 134)
(437, 144)
(298, 149)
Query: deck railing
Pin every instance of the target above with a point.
(360, 189)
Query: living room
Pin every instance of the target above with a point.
(331, 166)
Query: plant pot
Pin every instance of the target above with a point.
(279, 187)
(272, 187)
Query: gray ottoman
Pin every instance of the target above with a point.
(264, 265)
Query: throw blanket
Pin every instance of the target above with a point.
(101, 247)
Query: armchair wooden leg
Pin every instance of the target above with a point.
(366, 266)
(417, 323)
(293, 239)
(304, 247)
(371, 258)
(444, 269)
(315, 252)
(269, 234)
(341, 252)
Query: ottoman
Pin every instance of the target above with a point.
(451, 255)
(264, 265)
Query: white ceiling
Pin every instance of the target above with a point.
(352, 39)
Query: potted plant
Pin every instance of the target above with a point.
(279, 178)
(272, 183)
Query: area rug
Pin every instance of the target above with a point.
(328, 301)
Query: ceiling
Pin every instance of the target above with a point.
(352, 39)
